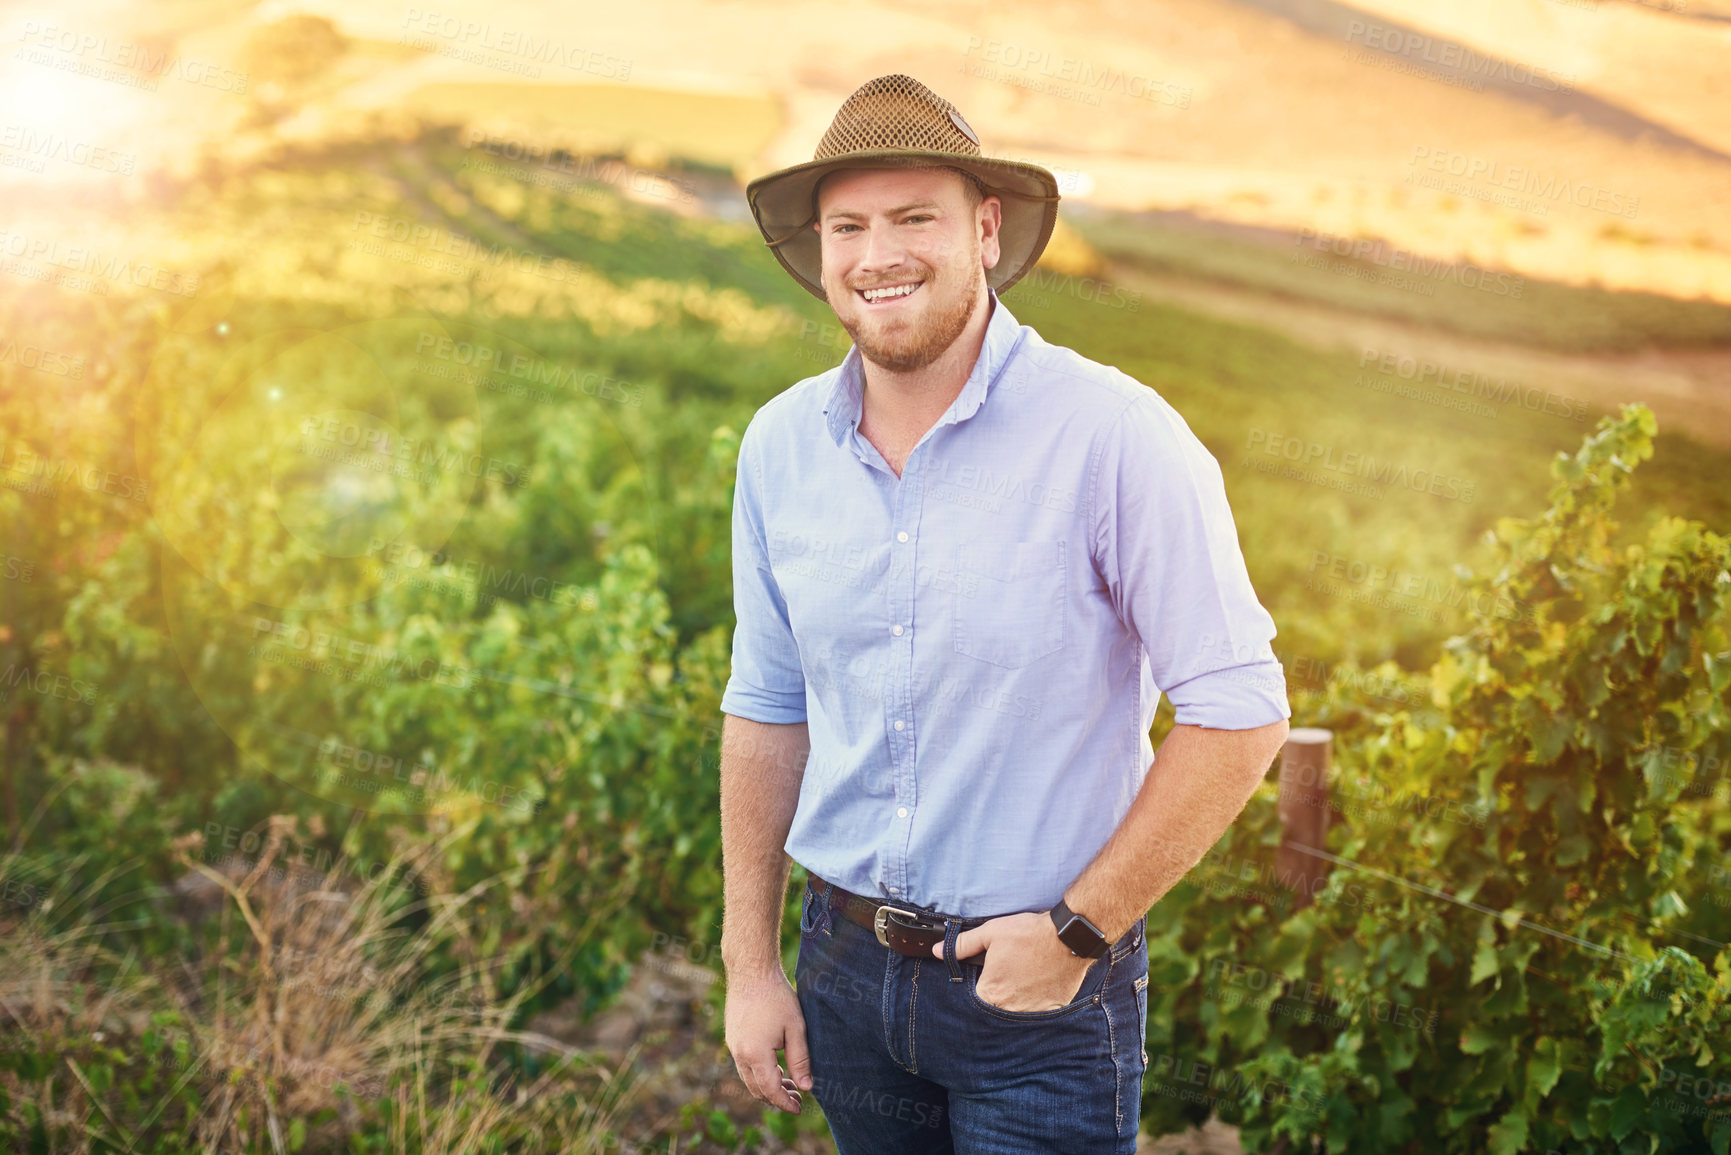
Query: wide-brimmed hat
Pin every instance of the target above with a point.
(889, 122)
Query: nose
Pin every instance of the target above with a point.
(883, 253)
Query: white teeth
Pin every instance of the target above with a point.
(897, 291)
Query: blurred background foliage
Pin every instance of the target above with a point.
(292, 545)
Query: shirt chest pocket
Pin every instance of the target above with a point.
(1009, 610)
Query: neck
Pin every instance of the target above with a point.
(897, 397)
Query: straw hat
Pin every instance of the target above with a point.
(890, 122)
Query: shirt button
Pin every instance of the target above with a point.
(902, 812)
(902, 536)
(896, 630)
(901, 725)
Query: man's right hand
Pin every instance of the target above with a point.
(762, 1016)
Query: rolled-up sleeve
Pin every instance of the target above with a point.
(1164, 541)
(767, 682)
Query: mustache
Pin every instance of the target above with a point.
(892, 284)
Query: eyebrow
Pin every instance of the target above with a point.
(895, 212)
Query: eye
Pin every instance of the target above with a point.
(840, 227)
(920, 217)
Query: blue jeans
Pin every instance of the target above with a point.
(907, 1059)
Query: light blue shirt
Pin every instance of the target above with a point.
(979, 646)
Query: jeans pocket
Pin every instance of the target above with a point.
(1087, 994)
(1142, 1016)
(811, 911)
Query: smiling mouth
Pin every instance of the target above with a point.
(889, 294)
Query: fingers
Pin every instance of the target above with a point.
(768, 1084)
(972, 942)
(798, 1056)
(754, 1046)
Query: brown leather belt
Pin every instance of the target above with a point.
(905, 931)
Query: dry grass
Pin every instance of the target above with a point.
(311, 1019)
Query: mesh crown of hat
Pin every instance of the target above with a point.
(895, 112)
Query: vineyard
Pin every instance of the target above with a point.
(365, 610)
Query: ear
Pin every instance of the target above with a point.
(989, 222)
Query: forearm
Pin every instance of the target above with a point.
(1199, 783)
(761, 769)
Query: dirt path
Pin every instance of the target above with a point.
(1688, 390)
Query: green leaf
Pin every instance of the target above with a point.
(1510, 1135)
(1476, 1039)
(1545, 1066)
(1484, 963)
(1628, 1110)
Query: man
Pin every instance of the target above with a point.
(966, 565)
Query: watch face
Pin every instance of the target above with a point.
(1078, 937)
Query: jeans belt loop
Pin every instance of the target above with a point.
(952, 928)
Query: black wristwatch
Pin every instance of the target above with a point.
(1076, 932)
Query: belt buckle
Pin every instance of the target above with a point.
(880, 918)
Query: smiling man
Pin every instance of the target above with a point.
(967, 564)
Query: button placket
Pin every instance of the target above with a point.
(901, 614)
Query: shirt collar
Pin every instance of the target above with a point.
(842, 408)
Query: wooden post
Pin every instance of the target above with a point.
(1304, 811)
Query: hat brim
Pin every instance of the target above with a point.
(781, 202)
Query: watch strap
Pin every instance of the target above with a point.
(1073, 926)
